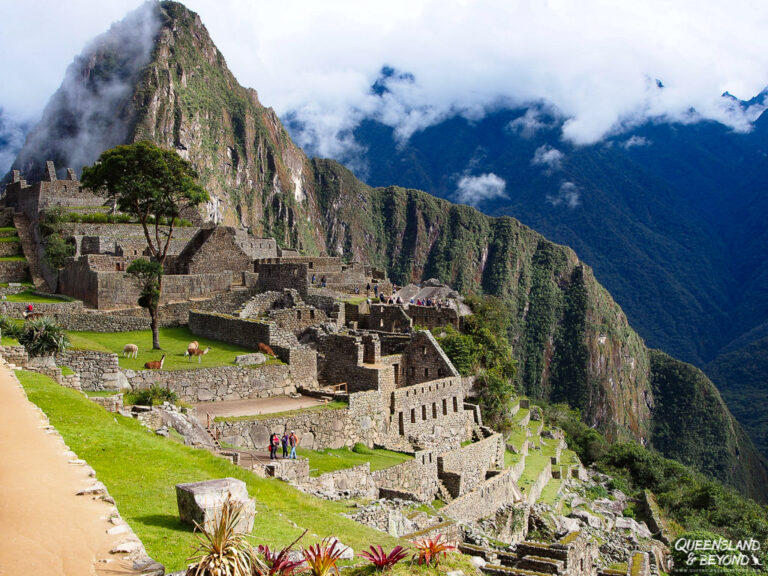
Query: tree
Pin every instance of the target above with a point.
(155, 186)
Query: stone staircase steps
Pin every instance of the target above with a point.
(29, 248)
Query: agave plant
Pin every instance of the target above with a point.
(321, 558)
(220, 550)
(383, 561)
(429, 550)
(43, 336)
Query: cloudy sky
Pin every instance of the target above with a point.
(598, 61)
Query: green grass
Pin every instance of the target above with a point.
(174, 342)
(332, 405)
(521, 413)
(518, 436)
(8, 341)
(323, 461)
(8, 231)
(9, 239)
(13, 259)
(140, 469)
(101, 393)
(535, 462)
(67, 371)
(36, 298)
(510, 458)
(550, 493)
(355, 300)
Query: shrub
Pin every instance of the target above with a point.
(220, 550)
(153, 396)
(321, 558)
(57, 250)
(382, 560)
(43, 336)
(276, 563)
(429, 550)
(9, 327)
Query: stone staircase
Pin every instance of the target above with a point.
(29, 248)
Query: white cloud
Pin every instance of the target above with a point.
(596, 61)
(533, 121)
(549, 157)
(568, 195)
(633, 141)
(475, 190)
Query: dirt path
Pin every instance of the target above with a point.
(45, 528)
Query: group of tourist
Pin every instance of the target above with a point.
(322, 281)
(286, 441)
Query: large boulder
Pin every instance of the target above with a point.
(202, 502)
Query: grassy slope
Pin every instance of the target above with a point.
(174, 342)
(322, 461)
(36, 298)
(140, 470)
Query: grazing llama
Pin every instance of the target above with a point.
(196, 352)
(265, 349)
(131, 350)
(155, 364)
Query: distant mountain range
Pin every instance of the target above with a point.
(673, 218)
(571, 340)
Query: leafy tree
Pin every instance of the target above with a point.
(154, 185)
(149, 276)
(57, 250)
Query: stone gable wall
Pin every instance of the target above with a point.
(426, 361)
(97, 370)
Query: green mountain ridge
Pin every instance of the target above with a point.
(571, 340)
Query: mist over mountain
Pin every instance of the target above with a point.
(573, 343)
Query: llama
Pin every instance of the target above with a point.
(155, 364)
(197, 352)
(193, 344)
(131, 350)
(264, 348)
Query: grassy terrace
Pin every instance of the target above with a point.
(140, 469)
(13, 259)
(332, 405)
(36, 298)
(323, 461)
(174, 342)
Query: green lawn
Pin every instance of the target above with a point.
(8, 341)
(549, 494)
(332, 405)
(140, 469)
(174, 342)
(9, 239)
(36, 298)
(518, 436)
(8, 231)
(535, 462)
(510, 458)
(324, 461)
(12, 259)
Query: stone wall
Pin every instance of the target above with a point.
(12, 248)
(362, 421)
(241, 331)
(218, 383)
(355, 482)
(426, 361)
(415, 478)
(344, 361)
(14, 271)
(97, 370)
(389, 318)
(275, 277)
(18, 309)
(101, 282)
(463, 469)
(31, 198)
(433, 317)
(15, 355)
(533, 491)
(484, 500)
(430, 414)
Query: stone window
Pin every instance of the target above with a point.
(445, 407)
(424, 349)
(439, 372)
(434, 411)
(426, 372)
(401, 424)
(311, 314)
(298, 314)
(424, 412)
(455, 404)
(413, 415)
(413, 371)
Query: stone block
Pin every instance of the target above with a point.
(202, 502)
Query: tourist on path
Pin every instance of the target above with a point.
(293, 440)
(274, 442)
(284, 442)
